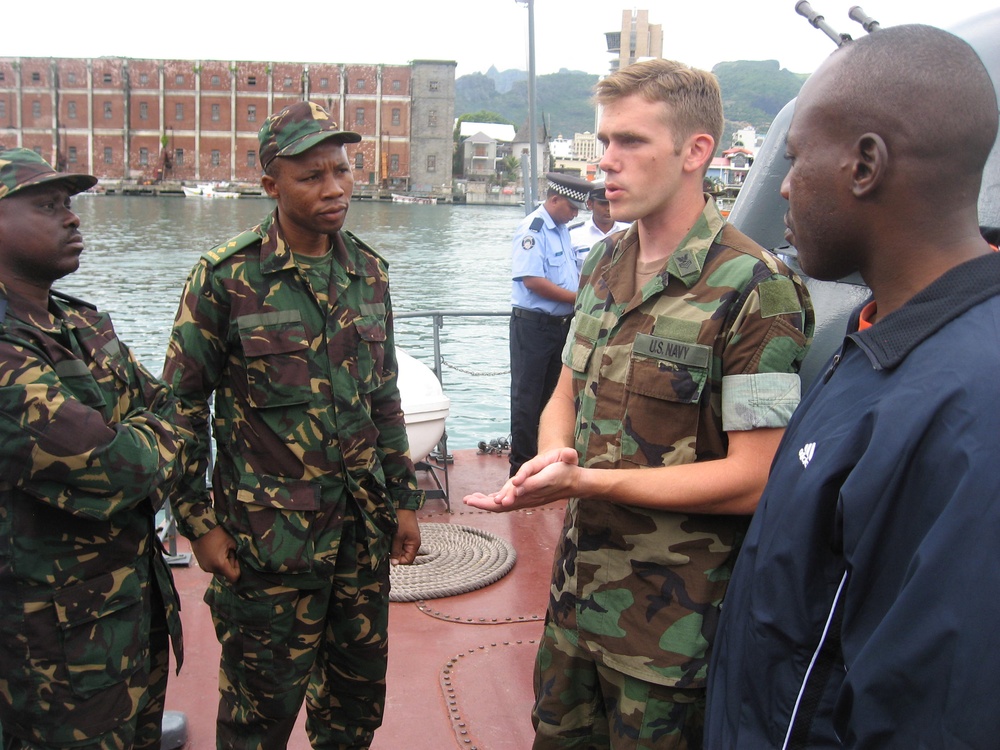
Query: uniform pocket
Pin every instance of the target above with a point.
(662, 409)
(371, 352)
(273, 522)
(276, 350)
(100, 624)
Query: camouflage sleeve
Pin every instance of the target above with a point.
(393, 446)
(760, 383)
(195, 359)
(63, 451)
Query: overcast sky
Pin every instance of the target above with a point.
(474, 33)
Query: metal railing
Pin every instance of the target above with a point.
(438, 471)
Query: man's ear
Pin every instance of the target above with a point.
(871, 160)
(699, 150)
(270, 186)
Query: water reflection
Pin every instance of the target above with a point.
(139, 251)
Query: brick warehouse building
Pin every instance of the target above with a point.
(150, 121)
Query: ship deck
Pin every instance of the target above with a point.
(460, 667)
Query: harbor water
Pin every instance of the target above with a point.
(139, 250)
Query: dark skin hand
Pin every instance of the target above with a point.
(216, 550)
(406, 542)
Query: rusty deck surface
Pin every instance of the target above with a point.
(460, 667)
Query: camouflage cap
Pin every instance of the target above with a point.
(297, 128)
(22, 168)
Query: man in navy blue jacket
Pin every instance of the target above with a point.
(864, 609)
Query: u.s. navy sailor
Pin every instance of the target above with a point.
(679, 376)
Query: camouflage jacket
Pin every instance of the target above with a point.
(91, 442)
(710, 344)
(307, 413)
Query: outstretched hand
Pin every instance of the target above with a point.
(546, 478)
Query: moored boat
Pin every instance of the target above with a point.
(422, 199)
(208, 190)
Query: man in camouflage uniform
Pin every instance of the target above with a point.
(91, 442)
(680, 372)
(289, 325)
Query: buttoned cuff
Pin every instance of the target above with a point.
(406, 499)
(752, 402)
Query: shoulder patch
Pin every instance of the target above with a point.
(537, 224)
(778, 296)
(219, 253)
(527, 242)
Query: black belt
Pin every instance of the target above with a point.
(561, 320)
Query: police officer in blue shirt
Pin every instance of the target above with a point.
(546, 277)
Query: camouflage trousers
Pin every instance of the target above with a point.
(582, 705)
(142, 730)
(327, 645)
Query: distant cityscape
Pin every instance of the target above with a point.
(156, 125)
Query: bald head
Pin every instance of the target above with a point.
(887, 146)
(923, 90)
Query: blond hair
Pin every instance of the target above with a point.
(692, 96)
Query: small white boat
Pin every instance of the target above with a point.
(425, 407)
(208, 190)
(425, 200)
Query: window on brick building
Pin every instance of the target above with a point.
(359, 116)
(108, 112)
(3, 76)
(215, 112)
(395, 116)
(178, 111)
(71, 110)
(324, 83)
(360, 85)
(179, 79)
(215, 157)
(251, 159)
(251, 80)
(36, 77)
(108, 155)
(394, 163)
(179, 157)
(359, 161)
(36, 109)
(251, 113)
(3, 107)
(433, 86)
(107, 78)
(72, 154)
(216, 81)
(143, 157)
(37, 150)
(143, 111)
(143, 79)
(288, 82)
(396, 85)
(432, 163)
(71, 77)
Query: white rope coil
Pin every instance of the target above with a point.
(453, 559)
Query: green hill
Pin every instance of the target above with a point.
(753, 92)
